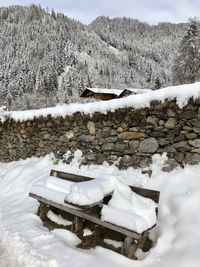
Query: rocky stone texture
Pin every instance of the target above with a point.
(149, 145)
(127, 136)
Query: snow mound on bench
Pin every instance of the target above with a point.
(129, 210)
(126, 208)
(90, 192)
(58, 184)
(48, 194)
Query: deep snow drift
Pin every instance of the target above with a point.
(25, 242)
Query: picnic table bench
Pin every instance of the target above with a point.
(90, 213)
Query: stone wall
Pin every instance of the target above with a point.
(133, 135)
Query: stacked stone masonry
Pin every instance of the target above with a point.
(129, 136)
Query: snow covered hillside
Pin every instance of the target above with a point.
(54, 58)
(25, 242)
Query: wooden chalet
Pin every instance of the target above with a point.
(101, 93)
(129, 91)
(108, 94)
(125, 93)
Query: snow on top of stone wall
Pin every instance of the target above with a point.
(182, 93)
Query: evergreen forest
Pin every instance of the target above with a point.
(48, 58)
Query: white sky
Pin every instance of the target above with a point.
(152, 11)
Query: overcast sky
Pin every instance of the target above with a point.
(152, 11)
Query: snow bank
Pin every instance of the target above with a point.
(68, 237)
(182, 93)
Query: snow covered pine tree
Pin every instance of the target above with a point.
(187, 63)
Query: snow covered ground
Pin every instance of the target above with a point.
(25, 242)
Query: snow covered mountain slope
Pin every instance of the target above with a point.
(46, 58)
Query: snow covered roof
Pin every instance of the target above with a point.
(130, 91)
(116, 92)
(139, 91)
(181, 93)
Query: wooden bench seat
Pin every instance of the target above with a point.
(132, 241)
(148, 193)
(84, 215)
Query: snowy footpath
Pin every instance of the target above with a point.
(25, 242)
